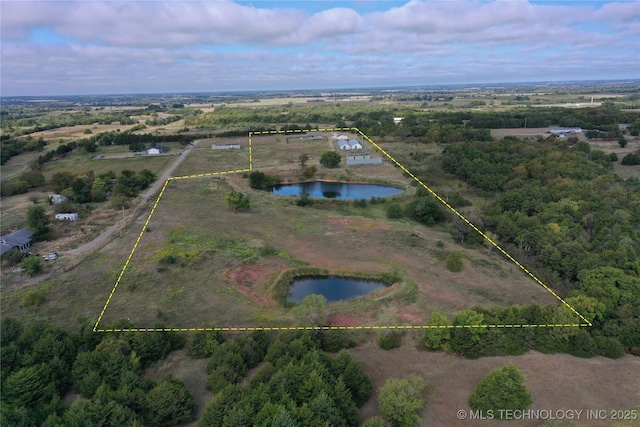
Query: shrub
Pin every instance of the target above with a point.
(426, 210)
(389, 340)
(237, 201)
(409, 292)
(31, 265)
(360, 203)
(335, 340)
(613, 157)
(262, 181)
(395, 211)
(33, 298)
(631, 159)
(309, 171)
(437, 338)
(454, 261)
(304, 200)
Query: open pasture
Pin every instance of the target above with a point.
(197, 258)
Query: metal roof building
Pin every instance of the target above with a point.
(20, 240)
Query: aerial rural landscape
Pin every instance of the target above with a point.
(392, 244)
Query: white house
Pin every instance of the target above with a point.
(355, 144)
(157, 150)
(67, 216)
(398, 120)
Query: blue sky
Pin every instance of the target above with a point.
(102, 47)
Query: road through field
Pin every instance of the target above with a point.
(103, 238)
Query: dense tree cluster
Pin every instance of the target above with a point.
(562, 210)
(423, 125)
(297, 384)
(87, 187)
(42, 363)
(14, 146)
(559, 204)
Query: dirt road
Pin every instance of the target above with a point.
(106, 235)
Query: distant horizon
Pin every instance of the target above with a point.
(54, 48)
(559, 83)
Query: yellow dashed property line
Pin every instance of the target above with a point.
(292, 328)
(153, 209)
(271, 132)
(494, 244)
(250, 153)
(202, 175)
(135, 246)
(325, 328)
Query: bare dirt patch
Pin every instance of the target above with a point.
(250, 280)
(341, 320)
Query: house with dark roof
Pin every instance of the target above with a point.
(20, 240)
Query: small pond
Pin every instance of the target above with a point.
(333, 288)
(336, 190)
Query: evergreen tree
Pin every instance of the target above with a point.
(38, 221)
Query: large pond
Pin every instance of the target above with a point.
(333, 288)
(336, 190)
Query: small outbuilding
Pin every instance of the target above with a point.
(57, 198)
(355, 144)
(343, 144)
(362, 159)
(225, 147)
(314, 135)
(67, 217)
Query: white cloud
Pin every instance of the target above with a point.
(164, 46)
